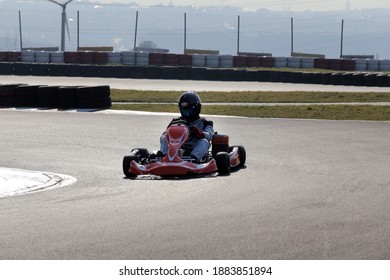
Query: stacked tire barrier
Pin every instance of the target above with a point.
(8, 95)
(94, 97)
(346, 78)
(131, 58)
(144, 65)
(55, 97)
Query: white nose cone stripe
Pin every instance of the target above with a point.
(17, 181)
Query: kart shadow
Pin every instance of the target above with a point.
(173, 178)
(184, 177)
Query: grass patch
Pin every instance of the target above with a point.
(331, 112)
(251, 96)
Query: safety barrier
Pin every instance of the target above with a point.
(137, 58)
(363, 78)
(184, 59)
(129, 64)
(60, 97)
(226, 61)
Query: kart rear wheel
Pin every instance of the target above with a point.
(223, 163)
(241, 154)
(126, 165)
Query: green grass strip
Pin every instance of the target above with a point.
(252, 96)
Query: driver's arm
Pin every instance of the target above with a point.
(208, 130)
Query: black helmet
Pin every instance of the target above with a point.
(190, 105)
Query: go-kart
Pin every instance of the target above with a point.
(178, 162)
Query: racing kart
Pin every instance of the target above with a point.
(178, 162)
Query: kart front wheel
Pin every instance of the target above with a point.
(223, 163)
(126, 165)
(242, 155)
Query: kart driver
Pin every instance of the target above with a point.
(201, 129)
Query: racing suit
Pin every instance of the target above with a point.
(198, 142)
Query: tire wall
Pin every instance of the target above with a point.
(130, 64)
(55, 97)
(195, 60)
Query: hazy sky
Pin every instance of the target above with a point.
(297, 5)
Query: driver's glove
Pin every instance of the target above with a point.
(197, 132)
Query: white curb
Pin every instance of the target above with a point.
(17, 181)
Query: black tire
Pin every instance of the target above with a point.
(93, 92)
(67, 97)
(48, 103)
(7, 101)
(126, 165)
(242, 154)
(153, 72)
(22, 69)
(223, 163)
(27, 96)
(67, 103)
(8, 90)
(72, 70)
(68, 92)
(8, 95)
(6, 68)
(95, 103)
(48, 96)
(56, 69)
(168, 73)
(38, 69)
(48, 91)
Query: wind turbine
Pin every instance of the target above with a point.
(64, 21)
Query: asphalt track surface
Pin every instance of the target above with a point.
(311, 189)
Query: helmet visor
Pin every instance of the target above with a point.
(188, 112)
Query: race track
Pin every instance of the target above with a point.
(183, 85)
(311, 189)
